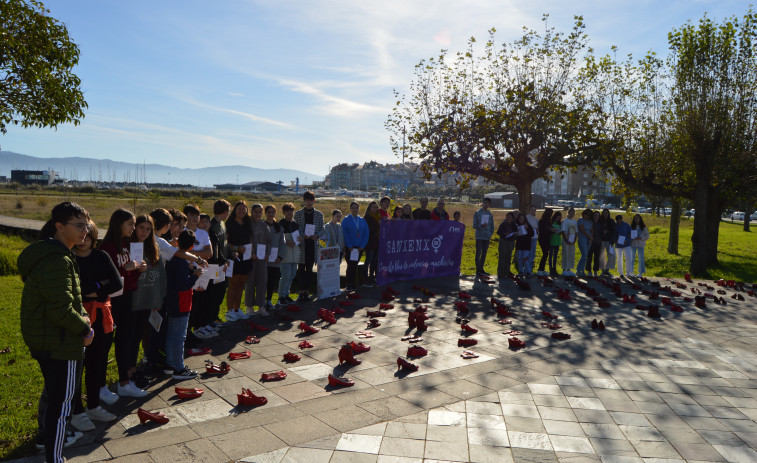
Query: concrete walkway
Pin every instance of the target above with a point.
(676, 388)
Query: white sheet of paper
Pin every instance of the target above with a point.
(221, 276)
(247, 252)
(621, 240)
(634, 234)
(522, 229)
(213, 270)
(309, 229)
(230, 269)
(155, 320)
(611, 251)
(354, 254)
(137, 252)
(484, 219)
(120, 291)
(274, 254)
(260, 251)
(202, 282)
(296, 236)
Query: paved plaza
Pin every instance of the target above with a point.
(676, 388)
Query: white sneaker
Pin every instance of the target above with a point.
(100, 414)
(231, 316)
(262, 312)
(82, 422)
(242, 315)
(211, 331)
(130, 390)
(107, 396)
(71, 438)
(201, 334)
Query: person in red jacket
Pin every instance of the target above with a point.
(439, 213)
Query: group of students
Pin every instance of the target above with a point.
(602, 242)
(139, 286)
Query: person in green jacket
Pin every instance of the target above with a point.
(54, 324)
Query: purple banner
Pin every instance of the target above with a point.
(410, 249)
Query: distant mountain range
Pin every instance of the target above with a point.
(106, 170)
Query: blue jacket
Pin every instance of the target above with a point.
(622, 229)
(180, 279)
(355, 231)
(483, 232)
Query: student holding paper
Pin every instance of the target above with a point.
(200, 299)
(291, 257)
(356, 234)
(607, 241)
(544, 238)
(569, 235)
(584, 226)
(117, 244)
(277, 254)
(217, 233)
(238, 236)
(257, 279)
(178, 304)
(333, 234)
(483, 224)
(507, 232)
(523, 245)
(151, 287)
(623, 246)
(99, 278)
(310, 224)
(639, 237)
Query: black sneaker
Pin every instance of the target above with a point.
(186, 373)
(140, 380)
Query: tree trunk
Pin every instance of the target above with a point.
(675, 221)
(699, 258)
(524, 195)
(747, 212)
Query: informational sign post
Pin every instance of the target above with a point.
(328, 272)
(411, 249)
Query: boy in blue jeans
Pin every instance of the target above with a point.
(178, 305)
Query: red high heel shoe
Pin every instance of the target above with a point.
(276, 376)
(346, 303)
(307, 329)
(250, 399)
(594, 324)
(240, 355)
(252, 340)
(463, 295)
(383, 306)
(601, 325)
(560, 335)
(687, 277)
(212, 369)
(188, 393)
(338, 310)
(337, 381)
(676, 308)
(462, 306)
(358, 347)
(404, 365)
(503, 311)
(327, 316)
(157, 417)
(416, 351)
(548, 315)
(375, 313)
(468, 329)
(421, 309)
(306, 345)
(373, 323)
(421, 325)
(466, 342)
(291, 357)
(346, 355)
(551, 326)
(412, 322)
(516, 343)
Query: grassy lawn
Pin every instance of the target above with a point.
(21, 381)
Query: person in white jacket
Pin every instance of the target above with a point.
(639, 237)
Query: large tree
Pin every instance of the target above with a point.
(508, 113)
(37, 85)
(686, 127)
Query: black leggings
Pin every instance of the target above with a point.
(544, 255)
(61, 380)
(274, 274)
(594, 250)
(130, 326)
(96, 361)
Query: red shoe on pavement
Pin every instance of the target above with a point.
(337, 381)
(198, 351)
(250, 399)
(358, 347)
(157, 417)
(307, 329)
(291, 357)
(516, 343)
(404, 365)
(346, 355)
(416, 351)
(275, 376)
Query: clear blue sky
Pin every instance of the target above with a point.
(300, 84)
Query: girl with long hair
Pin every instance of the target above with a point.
(373, 217)
(117, 244)
(639, 237)
(238, 236)
(545, 238)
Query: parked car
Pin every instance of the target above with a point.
(738, 215)
(753, 216)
